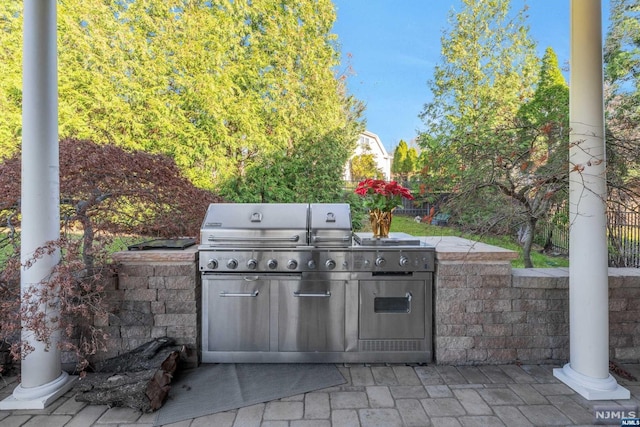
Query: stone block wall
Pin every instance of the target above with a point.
(156, 294)
(478, 316)
(624, 314)
(489, 313)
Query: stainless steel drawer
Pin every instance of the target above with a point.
(235, 313)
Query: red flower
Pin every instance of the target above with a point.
(383, 195)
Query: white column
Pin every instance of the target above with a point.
(42, 377)
(588, 370)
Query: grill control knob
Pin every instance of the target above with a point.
(404, 261)
(292, 264)
(232, 263)
(311, 264)
(252, 264)
(212, 264)
(272, 264)
(380, 262)
(330, 264)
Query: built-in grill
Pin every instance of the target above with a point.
(292, 283)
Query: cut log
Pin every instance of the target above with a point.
(147, 356)
(139, 379)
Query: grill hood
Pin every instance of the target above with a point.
(255, 225)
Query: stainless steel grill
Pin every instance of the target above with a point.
(292, 283)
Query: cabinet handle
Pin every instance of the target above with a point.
(231, 294)
(305, 294)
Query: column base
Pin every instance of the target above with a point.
(38, 397)
(591, 388)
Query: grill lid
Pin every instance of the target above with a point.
(255, 225)
(330, 224)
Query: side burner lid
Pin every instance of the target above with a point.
(330, 224)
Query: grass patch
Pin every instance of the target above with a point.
(407, 225)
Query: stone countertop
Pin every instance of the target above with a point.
(452, 248)
(157, 255)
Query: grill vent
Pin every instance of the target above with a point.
(391, 345)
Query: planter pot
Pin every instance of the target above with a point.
(380, 223)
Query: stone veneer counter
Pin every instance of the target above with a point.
(157, 255)
(156, 294)
(452, 248)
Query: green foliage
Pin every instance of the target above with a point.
(359, 213)
(410, 162)
(11, 81)
(311, 173)
(219, 86)
(399, 156)
(364, 166)
(488, 68)
(622, 93)
(548, 112)
(622, 45)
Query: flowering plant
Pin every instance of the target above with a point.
(382, 195)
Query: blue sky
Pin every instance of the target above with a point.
(395, 44)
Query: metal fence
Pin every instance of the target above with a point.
(623, 235)
(624, 238)
(411, 208)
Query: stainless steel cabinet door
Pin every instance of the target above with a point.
(235, 314)
(393, 309)
(311, 315)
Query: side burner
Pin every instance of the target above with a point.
(386, 241)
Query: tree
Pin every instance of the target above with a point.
(622, 115)
(364, 166)
(622, 46)
(622, 67)
(411, 162)
(218, 86)
(105, 189)
(403, 161)
(543, 174)
(106, 192)
(488, 70)
(307, 175)
(11, 81)
(487, 74)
